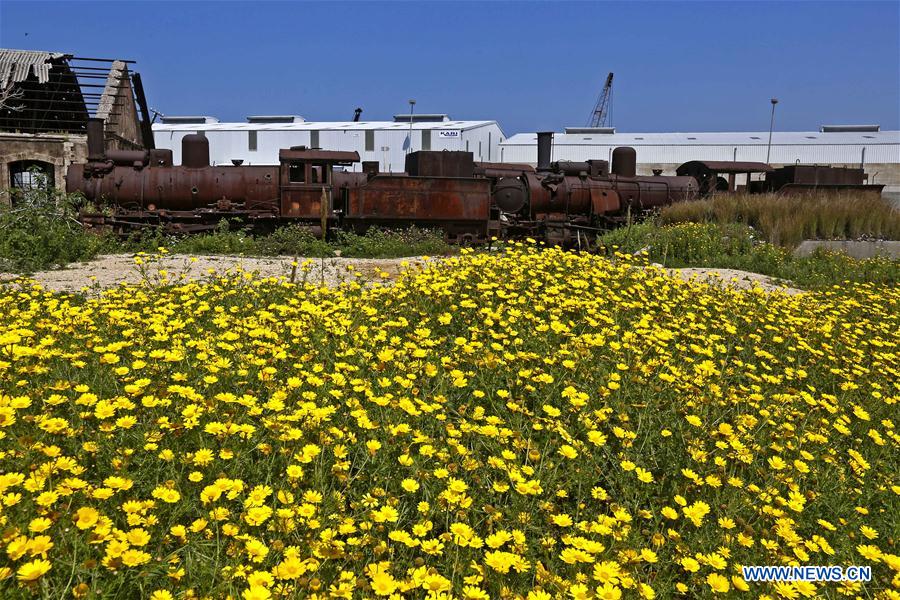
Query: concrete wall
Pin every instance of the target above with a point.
(57, 150)
(855, 249)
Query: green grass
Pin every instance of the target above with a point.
(737, 246)
(295, 240)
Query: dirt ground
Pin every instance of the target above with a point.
(111, 270)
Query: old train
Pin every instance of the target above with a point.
(559, 202)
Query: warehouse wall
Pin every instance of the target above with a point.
(882, 161)
(785, 154)
(390, 147)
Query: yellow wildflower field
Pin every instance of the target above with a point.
(529, 423)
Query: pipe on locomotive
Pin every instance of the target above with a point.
(95, 144)
(544, 150)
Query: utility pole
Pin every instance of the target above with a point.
(774, 101)
(412, 104)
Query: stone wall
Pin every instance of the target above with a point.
(119, 111)
(59, 150)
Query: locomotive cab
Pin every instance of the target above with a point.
(306, 182)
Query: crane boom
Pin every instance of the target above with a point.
(600, 114)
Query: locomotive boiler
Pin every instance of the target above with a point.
(563, 199)
(560, 202)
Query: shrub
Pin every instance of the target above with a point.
(734, 246)
(40, 231)
(224, 240)
(390, 243)
(293, 240)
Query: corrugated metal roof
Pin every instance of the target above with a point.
(17, 65)
(319, 126)
(711, 138)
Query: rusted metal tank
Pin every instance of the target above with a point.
(432, 163)
(554, 193)
(179, 188)
(649, 192)
(460, 206)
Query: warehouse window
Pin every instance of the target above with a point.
(251, 140)
(489, 146)
(467, 145)
(479, 150)
(426, 139)
(370, 140)
(314, 139)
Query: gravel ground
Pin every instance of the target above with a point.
(111, 270)
(114, 269)
(734, 278)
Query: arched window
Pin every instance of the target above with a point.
(30, 175)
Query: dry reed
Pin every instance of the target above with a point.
(788, 220)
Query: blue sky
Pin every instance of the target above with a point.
(680, 66)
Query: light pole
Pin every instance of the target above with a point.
(412, 104)
(774, 101)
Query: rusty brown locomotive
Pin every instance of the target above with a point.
(560, 202)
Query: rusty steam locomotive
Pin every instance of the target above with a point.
(559, 202)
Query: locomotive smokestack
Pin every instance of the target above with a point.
(624, 162)
(194, 151)
(544, 148)
(96, 147)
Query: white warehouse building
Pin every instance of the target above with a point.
(844, 145)
(258, 141)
